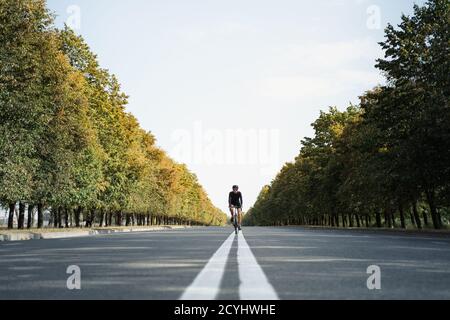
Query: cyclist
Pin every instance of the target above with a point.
(235, 201)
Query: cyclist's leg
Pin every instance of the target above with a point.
(240, 216)
(232, 212)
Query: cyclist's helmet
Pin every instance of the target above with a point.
(235, 187)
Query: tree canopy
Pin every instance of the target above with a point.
(67, 143)
(386, 157)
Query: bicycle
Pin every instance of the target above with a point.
(236, 225)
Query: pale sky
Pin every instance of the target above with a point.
(200, 73)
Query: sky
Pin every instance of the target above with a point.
(231, 87)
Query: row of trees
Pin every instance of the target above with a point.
(67, 144)
(386, 161)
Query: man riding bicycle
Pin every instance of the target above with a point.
(235, 201)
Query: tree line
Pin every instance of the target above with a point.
(67, 144)
(384, 162)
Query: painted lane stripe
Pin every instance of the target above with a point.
(206, 285)
(254, 284)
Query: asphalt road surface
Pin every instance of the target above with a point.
(213, 263)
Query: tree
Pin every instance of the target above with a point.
(385, 156)
(67, 143)
(417, 65)
(23, 100)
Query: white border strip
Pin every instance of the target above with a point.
(254, 283)
(206, 285)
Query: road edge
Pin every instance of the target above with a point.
(33, 235)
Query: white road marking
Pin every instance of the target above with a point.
(254, 283)
(206, 285)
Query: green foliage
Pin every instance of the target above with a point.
(66, 141)
(384, 156)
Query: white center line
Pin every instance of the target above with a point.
(206, 285)
(254, 283)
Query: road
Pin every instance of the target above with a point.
(211, 263)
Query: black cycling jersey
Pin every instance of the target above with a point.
(235, 199)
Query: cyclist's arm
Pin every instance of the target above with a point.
(242, 201)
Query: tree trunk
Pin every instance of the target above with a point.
(411, 217)
(107, 214)
(378, 218)
(92, 219)
(437, 224)
(387, 219)
(358, 222)
(425, 218)
(350, 220)
(77, 214)
(30, 216)
(439, 218)
(102, 218)
(110, 219)
(66, 218)
(12, 208)
(119, 219)
(55, 217)
(392, 216)
(60, 213)
(40, 215)
(416, 216)
(89, 218)
(21, 221)
(402, 216)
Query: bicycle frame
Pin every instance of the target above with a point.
(236, 219)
